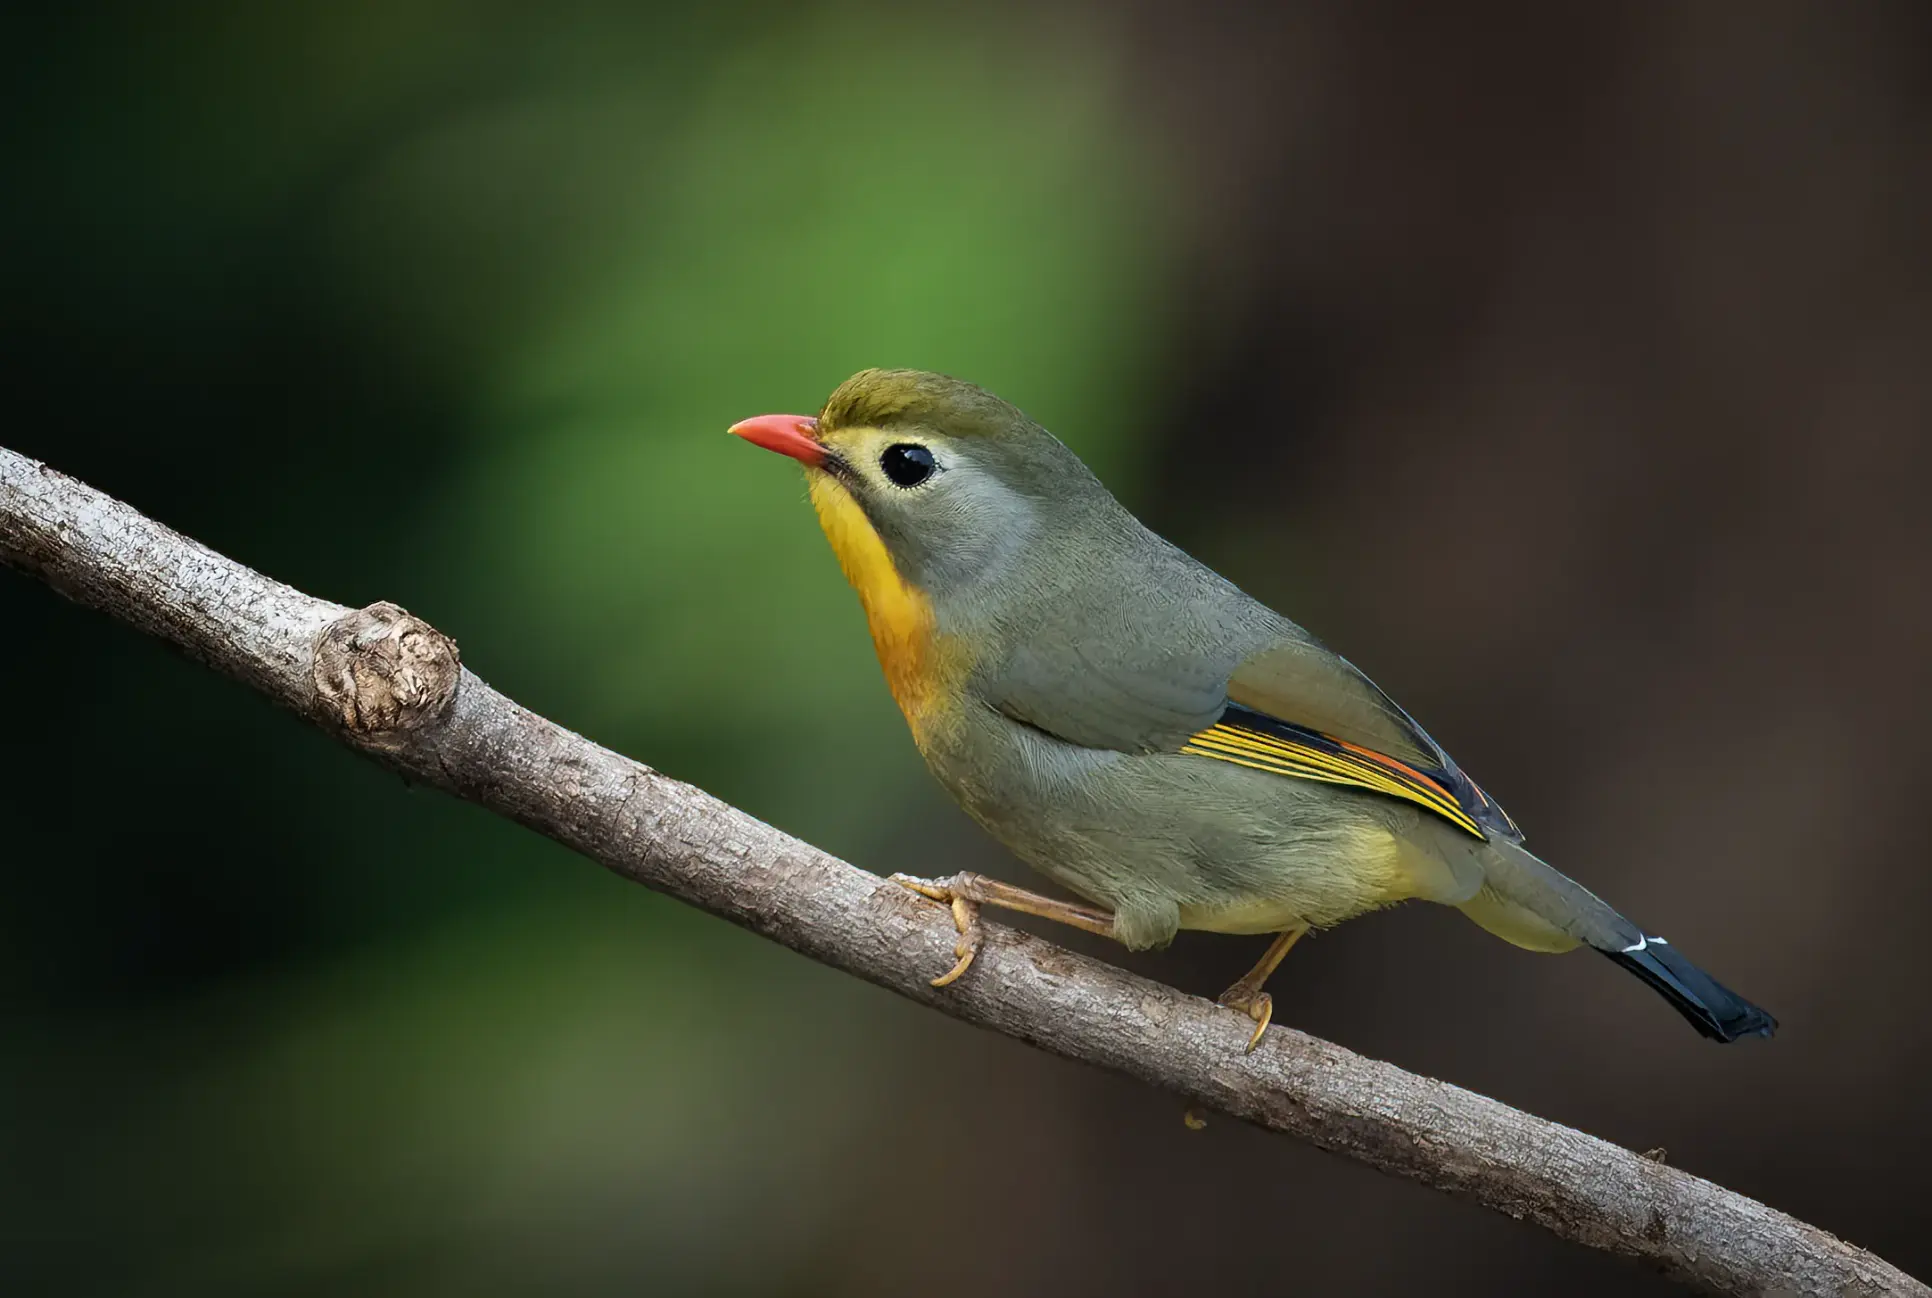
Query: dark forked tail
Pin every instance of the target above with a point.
(1527, 902)
(1712, 1008)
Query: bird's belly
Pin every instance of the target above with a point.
(1316, 874)
(1258, 915)
(1169, 841)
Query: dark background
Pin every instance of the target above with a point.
(1565, 366)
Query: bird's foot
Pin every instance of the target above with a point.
(1253, 1002)
(967, 892)
(952, 892)
(1247, 996)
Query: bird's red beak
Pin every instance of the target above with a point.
(792, 435)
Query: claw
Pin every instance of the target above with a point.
(965, 920)
(965, 954)
(932, 889)
(1259, 1006)
(1263, 1011)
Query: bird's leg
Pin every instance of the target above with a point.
(967, 892)
(1247, 996)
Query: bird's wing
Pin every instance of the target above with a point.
(1291, 708)
(1301, 681)
(1106, 692)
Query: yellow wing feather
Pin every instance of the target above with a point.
(1344, 763)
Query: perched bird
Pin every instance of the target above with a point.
(1140, 731)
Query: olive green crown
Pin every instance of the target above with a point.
(887, 398)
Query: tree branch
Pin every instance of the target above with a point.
(391, 685)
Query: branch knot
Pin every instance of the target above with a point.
(381, 672)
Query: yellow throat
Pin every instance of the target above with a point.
(898, 614)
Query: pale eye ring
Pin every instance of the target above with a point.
(907, 464)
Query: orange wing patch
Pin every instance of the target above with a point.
(1263, 744)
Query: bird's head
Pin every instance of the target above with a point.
(942, 481)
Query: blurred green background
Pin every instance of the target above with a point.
(1564, 366)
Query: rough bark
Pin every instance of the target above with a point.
(393, 686)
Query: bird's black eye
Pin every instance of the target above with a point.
(907, 464)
